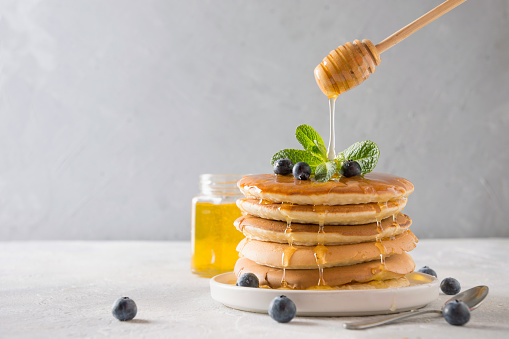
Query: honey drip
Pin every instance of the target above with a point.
(320, 250)
(395, 222)
(380, 207)
(264, 202)
(379, 227)
(284, 283)
(383, 251)
(288, 251)
(287, 255)
(284, 208)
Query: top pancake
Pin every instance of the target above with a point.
(372, 187)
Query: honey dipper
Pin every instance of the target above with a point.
(350, 64)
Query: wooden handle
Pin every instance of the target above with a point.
(417, 24)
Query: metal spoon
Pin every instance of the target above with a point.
(472, 297)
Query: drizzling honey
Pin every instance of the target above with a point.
(332, 136)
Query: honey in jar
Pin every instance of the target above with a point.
(213, 237)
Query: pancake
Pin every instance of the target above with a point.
(328, 215)
(372, 187)
(307, 257)
(395, 267)
(307, 234)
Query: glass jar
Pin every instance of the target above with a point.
(214, 239)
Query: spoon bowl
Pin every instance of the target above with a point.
(472, 297)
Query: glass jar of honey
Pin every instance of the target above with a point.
(214, 239)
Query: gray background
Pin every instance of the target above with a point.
(109, 110)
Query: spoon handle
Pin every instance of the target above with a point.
(360, 325)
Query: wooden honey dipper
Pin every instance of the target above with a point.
(350, 64)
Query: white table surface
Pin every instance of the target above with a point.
(66, 289)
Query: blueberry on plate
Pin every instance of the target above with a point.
(351, 168)
(456, 313)
(124, 309)
(301, 171)
(248, 280)
(282, 309)
(283, 166)
(427, 270)
(450, 286)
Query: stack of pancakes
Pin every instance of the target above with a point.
(345, 234)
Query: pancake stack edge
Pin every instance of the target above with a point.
(342, 234)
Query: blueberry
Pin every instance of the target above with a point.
(248, 280)
(456, 313)
(282, 309)
(283, 166)
(450, 286)
(301, 171)
(427, 270)
(351, 168)
(124, 309)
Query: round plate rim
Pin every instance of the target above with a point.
(249, 299)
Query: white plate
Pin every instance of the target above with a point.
(423, 289)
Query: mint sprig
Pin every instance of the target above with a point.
(311, 141)
(325, 171)
(366, 154)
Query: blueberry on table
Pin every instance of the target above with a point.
(450, 286)
(351, 168)
(427, 270)
(301, 171)
(124, 309)
(282, 309)
(248, 280)
(283, 166)
(456, 313)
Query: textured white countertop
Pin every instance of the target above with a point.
(66, 289)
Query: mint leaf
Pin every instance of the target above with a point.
(340, 158)
(321, 149)
(296, 155)
(366, 153)
(311, 141)
(325, 171)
